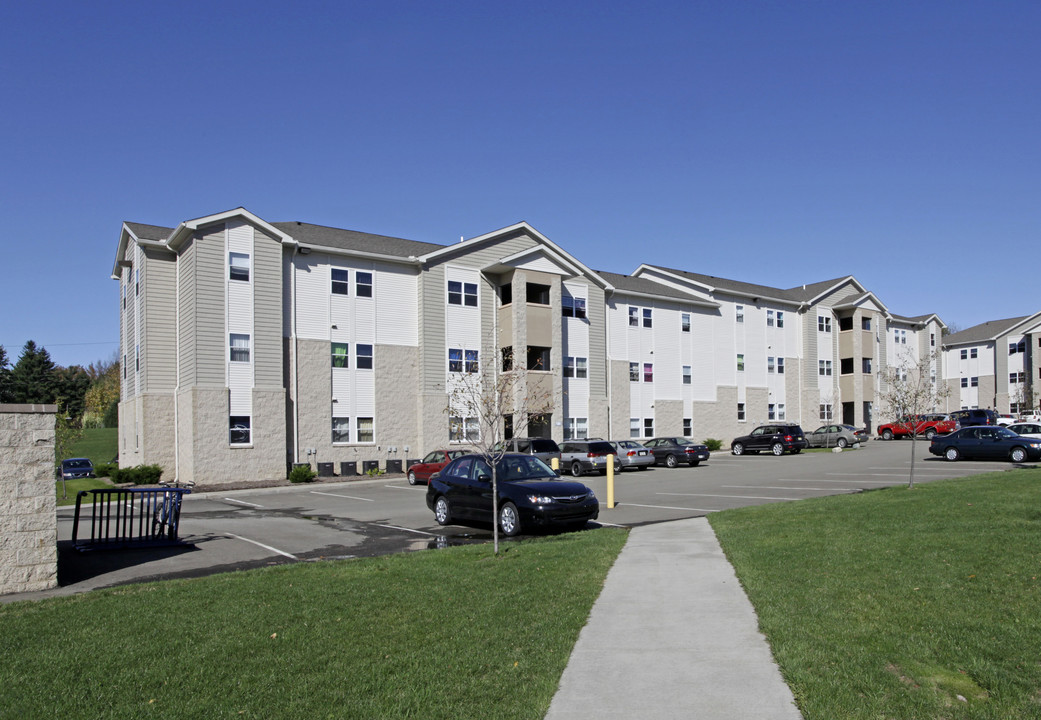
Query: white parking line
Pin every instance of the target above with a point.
(825, 480)
(242, 502)
(735, 497)
(266, 547)
(349, 497)
(665, 507)
(601, 522)
(781, 487)
(899, 475)
(398, 527)
(406, 487)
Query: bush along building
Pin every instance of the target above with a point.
(249, 346)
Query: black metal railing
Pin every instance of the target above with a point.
(129, 517)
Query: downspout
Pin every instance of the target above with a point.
(177, 382)
(294, 355)
(607, 363)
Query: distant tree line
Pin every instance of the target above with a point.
(88, 397)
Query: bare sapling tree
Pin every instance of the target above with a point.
(483, 401)
(911, 390)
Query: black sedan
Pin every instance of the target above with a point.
(675, 450)
(531, 494)
(989, 442)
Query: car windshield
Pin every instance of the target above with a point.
(513, 467)
(76, 464)
(544, 446)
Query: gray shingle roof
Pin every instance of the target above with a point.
(623, 283)
(149, 232)
(307, 234)
(984, 331)
(794, 295)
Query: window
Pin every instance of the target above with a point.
(824, 367)
(239, 430)
(647, 317)
(740, 362)
(137, 358)
(780, 366)
(739, 313)
(634, 427)
(576, 428)
(1020, 347)
(741, 412)
(581, 370)
(972, 352)
(339, 355)
(964, 354)
(538, 358)
(341, 430)
(846, 323)
(363, 360)
(846, 366)
(769, 364)
(780, 411)
(688, 427)
(686, 374)
(455, 360)
(573, 306)
(685, 322)
(648, 427)
(865, 323)
(507, 358)
(238, 266)
(769, 318)
(472, 364)
(341, 282)
(366, 434)
(463, 429)
(363, 284)
(974, 382)
(634, 316)
(932, 339)
(780, 319)
(965, 382)
(634, 372)
(537, 294)
(823, 324)
(239, 348)
(771, 412)
(865, 365)
(903, 336)
(648, 372)
(137, 282)
(460, 293)
(1016, 377)
(825, 413)
(506, 294)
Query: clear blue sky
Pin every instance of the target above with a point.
(772, 142)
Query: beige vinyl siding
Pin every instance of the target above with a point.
(596, 313)
(267, 311)
(810, 362)
(186, 313)
(432, 329)
(159, 339)
(210, 336)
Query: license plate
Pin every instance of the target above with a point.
(642, 453)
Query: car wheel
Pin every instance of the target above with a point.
(442, 511)
(737, 449)
(842, 443)
(930, 434)
(670, 461)
(411, 478)
(576, 469)
(777, 449)
(951, 454)
(509, 520)
(1018, 455)
(887, 434)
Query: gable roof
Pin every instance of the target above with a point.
(324, 237)
(919, 319)
(642, 287)
(802, 295)
(988, 331)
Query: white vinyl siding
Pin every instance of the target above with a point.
(239, 322)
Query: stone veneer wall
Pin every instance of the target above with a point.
(28, 523)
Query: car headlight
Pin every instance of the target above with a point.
(540, 499)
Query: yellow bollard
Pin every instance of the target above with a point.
(555, 464)
(610, 482)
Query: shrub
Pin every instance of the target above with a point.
(138, 475)
(105, 469)
(302, 474)
(712, 444)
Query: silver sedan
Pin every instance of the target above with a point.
(631, 454)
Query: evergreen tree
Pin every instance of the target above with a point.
(72, 385)
(33, 378)
(6, 392)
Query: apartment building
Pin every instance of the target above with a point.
(250, 345)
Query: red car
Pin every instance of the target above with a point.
(431, 464)
(927, 425)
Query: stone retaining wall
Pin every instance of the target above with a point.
(28, 523)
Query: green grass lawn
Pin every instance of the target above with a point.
(452, 634)
(899, 603)
(100, 445)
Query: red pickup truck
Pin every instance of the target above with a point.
(922, 425)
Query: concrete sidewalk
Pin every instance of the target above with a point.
(672, 635)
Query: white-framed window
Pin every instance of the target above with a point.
(974, 381)
(825, 412)
(363, 284)
(1017, 347)
(634, 427)
(688, 427)
(824, 367)
(780, 318)
(341, 429)
(865, 323)
(964, 354)
(932, 339)
(647, 317)
(1016, 377)
(634, 316)
(238, 266)
(780, 411)
(573, 306)
(740, 412)
(685, 322)
(965, 382)
(771, 412)
(899, 337)
(576, 428)
(769, 365)
(240, 430)
(363, 358)
(340, 355)
(460, 293)
(648, 372)
(739, 313)
(865, 365)
(634, 372)
(238, 350)
(973, 352)
(648, 427)
(576, 367)
(1013, 408)
(455, 360)
(366, 431)
(740, 362)
(341, 284)
(463, 429)
(769, 318)
(780, 366)
(823, 323)
(686, 374)
(471, 361)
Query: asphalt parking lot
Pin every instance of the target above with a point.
(254, 528)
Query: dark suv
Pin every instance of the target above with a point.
(542, 448)
(777, 438)
(581, 456)
(965, 418)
